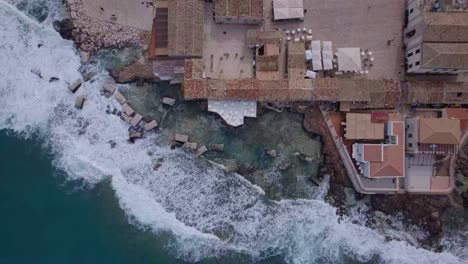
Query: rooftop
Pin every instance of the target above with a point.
(185, 25)
(386, 160)
(446, 27)
(436, 92)
(445, 55)
(439, 131)
(360, 126)
(238, 8)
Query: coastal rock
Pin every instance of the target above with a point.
(271, 152)
(315, 125)
(134, 72)
(64, 27)
(284, 165)
(91, 34)
(423, 210)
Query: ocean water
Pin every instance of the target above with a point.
(84, 197)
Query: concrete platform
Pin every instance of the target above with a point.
(225, 38)
(136, 14)
(233, 112)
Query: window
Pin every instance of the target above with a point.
(411, 11)
(410, 54)
(410, 145)
(417, 63)
(418, 50)
(410, 66)
(410, 135)
(459, 94)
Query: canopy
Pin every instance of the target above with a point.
(315, 45)
(311, 74)
(349, 59)
(317, 65)
(308, 54)
(327, 64)
(288, 9)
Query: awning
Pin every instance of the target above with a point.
(349, 59)
(288, 9)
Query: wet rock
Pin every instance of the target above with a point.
(88, 76)
(247, 168)
(230, 165)
(134, 72)
(304, 157)
(84, 57)
(284, 165)
(64, 27)
(79, 101)
(350, 196)
(271, 152)
(74, 86)
(200, 151)
(216, 147)
(112, 143)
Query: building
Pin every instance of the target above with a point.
(436, 42)
(383, 160)
(177, 34)
(457, 113)
(362, 126)
(436, 93)
(238, 11)
(433, 135)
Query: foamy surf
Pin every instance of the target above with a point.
(209, 213)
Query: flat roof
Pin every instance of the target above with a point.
(360, 126)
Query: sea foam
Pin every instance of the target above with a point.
(207, 212)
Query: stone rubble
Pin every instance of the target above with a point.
(91, 34)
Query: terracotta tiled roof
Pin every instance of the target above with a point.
(291, 89)
(445, 55)
(439, 131)
(238, 8)
(185, 27)
(267, 63)
(257, 37)
(446, 27)
(373, 152)
(460, 114)
(393, 164)
(436, 92)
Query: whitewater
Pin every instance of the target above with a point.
(207, 212)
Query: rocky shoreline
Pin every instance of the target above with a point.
(426, 211)
(91, 35)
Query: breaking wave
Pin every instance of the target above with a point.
(207, 212)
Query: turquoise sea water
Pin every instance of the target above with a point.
(45, 219)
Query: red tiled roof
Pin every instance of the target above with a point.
(373, 152)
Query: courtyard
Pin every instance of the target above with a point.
(374, 25)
